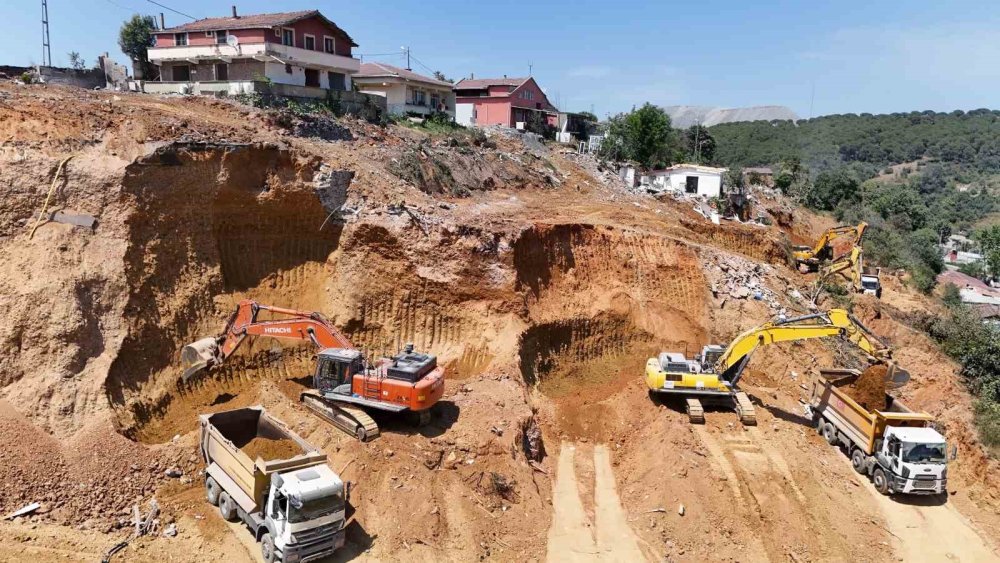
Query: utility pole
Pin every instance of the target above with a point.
(407, 49)
(530, 66)
(46, 48)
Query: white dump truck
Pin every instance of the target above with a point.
(897, 448)
(294, 506)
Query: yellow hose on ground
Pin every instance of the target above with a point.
(52, 189)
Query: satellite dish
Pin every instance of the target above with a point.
(232, 41)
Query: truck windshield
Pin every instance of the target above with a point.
(923, 453)
(316, 508)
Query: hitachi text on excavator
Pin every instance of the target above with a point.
(344, 382)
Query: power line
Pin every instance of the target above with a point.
(171, 9)
(117, 5)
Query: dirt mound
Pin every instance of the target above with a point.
(268, 449)
(868, 390)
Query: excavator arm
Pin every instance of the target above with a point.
(857, 233)
(835, 322)
(291, 324)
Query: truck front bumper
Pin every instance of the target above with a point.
(906, 486)
(302, 553)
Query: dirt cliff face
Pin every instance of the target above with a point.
(541, 287)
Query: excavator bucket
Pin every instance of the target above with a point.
(895, 376)
(198, 357)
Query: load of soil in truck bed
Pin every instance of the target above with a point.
(868, 390)
(268, 449)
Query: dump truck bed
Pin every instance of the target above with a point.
(862, 426)
(223, 437)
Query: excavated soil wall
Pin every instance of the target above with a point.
(212, 223)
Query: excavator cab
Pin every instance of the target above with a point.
(335, 370)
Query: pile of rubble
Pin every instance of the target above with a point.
(734, 277)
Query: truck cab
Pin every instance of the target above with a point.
(305, 514)
(915, 459)
(870, 285)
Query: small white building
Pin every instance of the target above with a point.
(405, 91)
(690, 179)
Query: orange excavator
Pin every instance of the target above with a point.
(343, 382)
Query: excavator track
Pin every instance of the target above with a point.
(351, 420)
(745, 409)
(695, 412)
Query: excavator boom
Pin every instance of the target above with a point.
(819, 250)
(835, 322)
(296, 325)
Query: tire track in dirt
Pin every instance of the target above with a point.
(572, 536)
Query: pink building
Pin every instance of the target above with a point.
(298, 49)
(501, 101)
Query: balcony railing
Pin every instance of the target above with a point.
(283, 53)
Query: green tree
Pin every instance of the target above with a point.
(135, 38)
(438, 75)
(76, 62)
(699, 145)
(832, 189)
(989, 241)
(643, 135)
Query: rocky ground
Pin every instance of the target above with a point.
(540, 282)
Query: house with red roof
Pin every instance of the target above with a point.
(508, 102)
(405, 91)
(302, 50)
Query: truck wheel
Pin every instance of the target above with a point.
(830, 433)
(881, 482)
(858, 461)
(267, 548)
(212, 491)
(226, 507)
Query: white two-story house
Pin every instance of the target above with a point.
(301, 50)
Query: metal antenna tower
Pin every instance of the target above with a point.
(46, 48)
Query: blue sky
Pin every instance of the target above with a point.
(870, 56)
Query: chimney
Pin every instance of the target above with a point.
(472, 75)
(234, 12)
(505, 76)
(163, 22)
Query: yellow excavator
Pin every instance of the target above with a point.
(809, 258)
(852, 267)
(714, 375)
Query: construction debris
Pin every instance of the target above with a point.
(23, 511)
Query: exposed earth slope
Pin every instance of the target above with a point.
(541, 286)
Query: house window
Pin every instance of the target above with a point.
(222, 71)
(288, 37)
(691, 185)
(209, 33)
(221, 37)
(328, 45)
(337, 81)
(310, 42)
(288, 68)
(181, 73)
(434, 101)
(312, 77)
(180, 39)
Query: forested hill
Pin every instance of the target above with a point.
(971, 139)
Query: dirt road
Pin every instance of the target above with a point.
(573, 536)
(926, 529)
